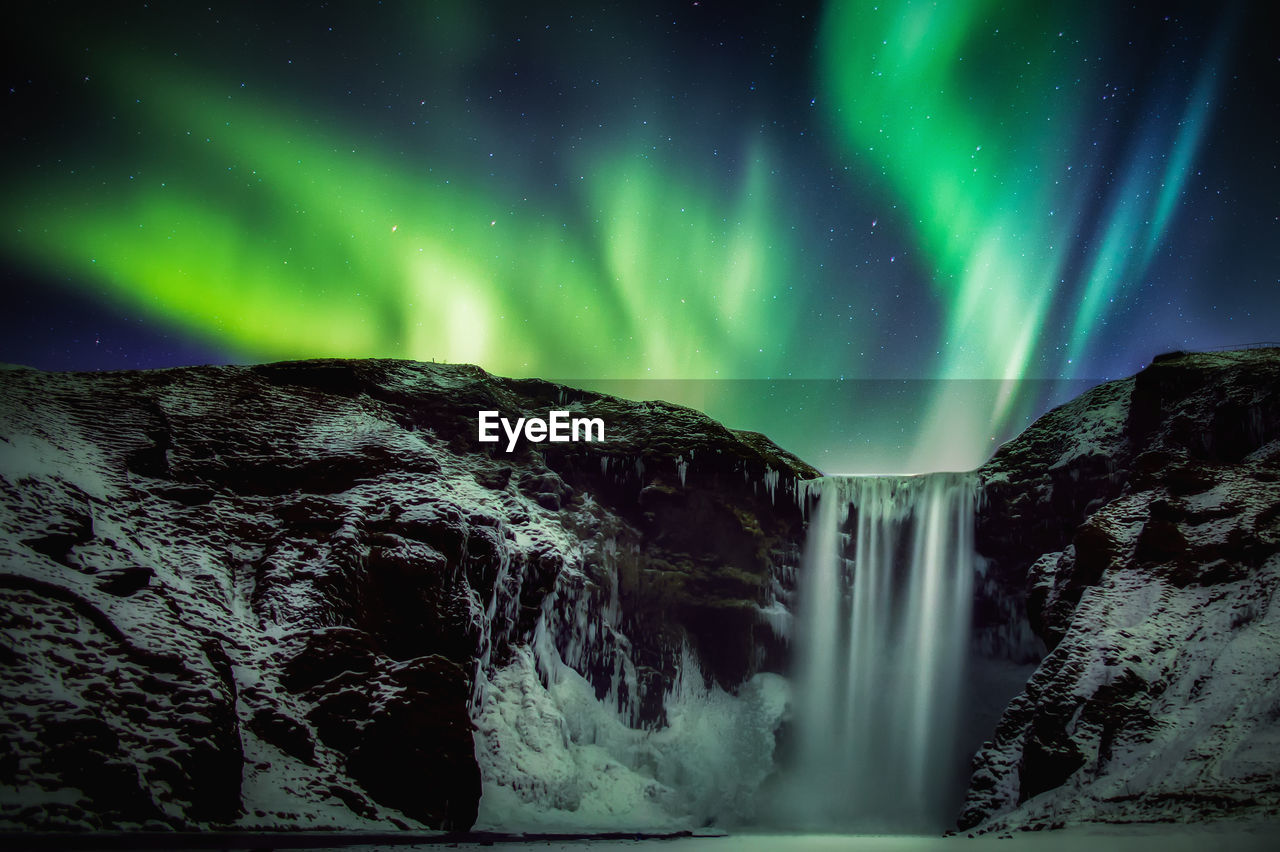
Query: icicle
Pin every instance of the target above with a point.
(779, 619)
(771, 477)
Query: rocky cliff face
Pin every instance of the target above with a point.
(1139, 527)
(305, 595)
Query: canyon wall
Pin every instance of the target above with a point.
(304, 595)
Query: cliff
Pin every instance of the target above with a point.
(280, 596)
(1138, 527)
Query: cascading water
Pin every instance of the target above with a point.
(882, 640)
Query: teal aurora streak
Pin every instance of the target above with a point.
(952, 109)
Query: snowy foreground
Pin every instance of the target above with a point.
(1234, 836)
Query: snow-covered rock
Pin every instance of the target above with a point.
(1138, 529)
(304, 595)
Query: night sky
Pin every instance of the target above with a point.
(1031, 195)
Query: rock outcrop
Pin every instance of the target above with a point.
(1138, 527)
(277, 596)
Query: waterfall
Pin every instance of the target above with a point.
(882, 640)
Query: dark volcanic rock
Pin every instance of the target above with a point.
(1138, 527)
(398, 730)
(272, 596)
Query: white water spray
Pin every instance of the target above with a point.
(882, 639)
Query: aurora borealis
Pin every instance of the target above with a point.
(1005, 192)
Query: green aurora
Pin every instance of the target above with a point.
(244, 214)
(952, 110)
(287, 244)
